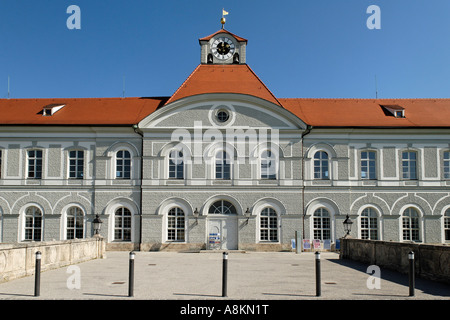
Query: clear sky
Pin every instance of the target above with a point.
(299, 48)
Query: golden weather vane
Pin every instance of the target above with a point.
(223, 20)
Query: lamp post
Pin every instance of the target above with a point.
(97, 225)
(347, 226)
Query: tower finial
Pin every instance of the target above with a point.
(223, 20)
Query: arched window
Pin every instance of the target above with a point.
(123, 164)
(268, 225)
(268, 165)
(322, 224)
(33, 224)
(410, 223)
(223, 166)
(75, 223)
(175, 225)
(321, 170)
(369, 224)
(176, 165)
(447, 225)
(222, 207)
(122, 224)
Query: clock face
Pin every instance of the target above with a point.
(223, 48)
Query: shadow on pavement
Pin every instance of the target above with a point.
(426, 286)
(17, 294)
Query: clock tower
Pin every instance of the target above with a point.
(223, 47)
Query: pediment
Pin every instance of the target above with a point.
(222, 111)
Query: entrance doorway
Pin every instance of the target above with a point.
(222, 233)
(222, 226)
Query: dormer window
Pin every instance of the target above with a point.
(400, 114)
(394, 110)
(51, 109)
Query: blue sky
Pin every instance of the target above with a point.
(299, 48)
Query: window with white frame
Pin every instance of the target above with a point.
(34, 164)
(321, 168)
(175, 224)
(1, 224)
(223, 166)
(409, 165)
(123, 164)
(176, 165)
(369, 224)
(268, 225)
(447, 225)
(75, 223)
(33, 224)
(268, 165)
(122, 224)
(76, 164)
(410, 224)
(368, 165)
(1, 154)
(322, 224)
(222, 207)
(447, 165)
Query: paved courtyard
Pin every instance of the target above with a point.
(198, 276)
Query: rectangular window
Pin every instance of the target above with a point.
(368, 165)
(76, 164)
(0, 164)
(409, 165)
(321, 165)
(223, 166)
(35, 164)
(123, 164)
(176, 165)
(447, 225)
(447, 165)
(268, 165)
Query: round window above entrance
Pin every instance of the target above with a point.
(222, 207)
(222, 116)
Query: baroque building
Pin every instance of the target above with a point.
(224, 164)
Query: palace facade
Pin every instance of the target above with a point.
(224, 164)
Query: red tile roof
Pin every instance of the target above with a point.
(222, 31)
(78, 111)
(233, 78)
(369, 113)
(239, 79)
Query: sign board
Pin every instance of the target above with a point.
(306, 244)
(214, 240)
(317, 244)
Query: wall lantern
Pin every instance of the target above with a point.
(348, 225)
(247, 214)
(97, 224)
(196, 214)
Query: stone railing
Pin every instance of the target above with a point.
(431, 261)
(18, 259)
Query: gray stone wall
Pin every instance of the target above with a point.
(431, 261)
(18, 260)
